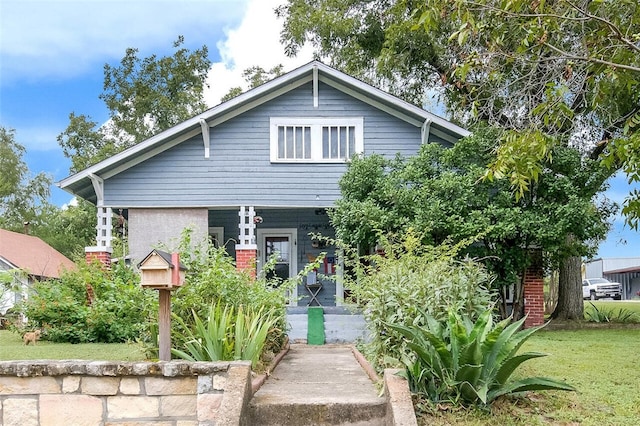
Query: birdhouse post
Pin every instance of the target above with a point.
(163, 272)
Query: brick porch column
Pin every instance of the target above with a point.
(247, 249)
(534, 291)
(246, 261)
(103, 254)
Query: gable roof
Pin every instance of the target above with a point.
(86, 183)
(32, 255)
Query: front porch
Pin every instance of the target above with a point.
(287, 234)
(249, 234)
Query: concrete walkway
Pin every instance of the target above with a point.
(318, 385)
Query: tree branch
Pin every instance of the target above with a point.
(568, 55)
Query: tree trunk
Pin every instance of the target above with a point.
(551, 298)
(570, 305)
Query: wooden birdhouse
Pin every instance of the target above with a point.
(161, 270)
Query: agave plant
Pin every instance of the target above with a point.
(467, 362)
(610, 315)
(227, 334)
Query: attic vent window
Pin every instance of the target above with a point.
(315, 140)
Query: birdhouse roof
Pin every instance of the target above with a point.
(164, 255)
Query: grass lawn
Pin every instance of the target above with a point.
(602, 364)
(12, 348)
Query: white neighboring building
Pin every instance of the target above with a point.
(624, 270)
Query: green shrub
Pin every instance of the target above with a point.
(605, 314)
(212, 279)
(227, 334)
(460, 361)
(119, 310)
(406, 283)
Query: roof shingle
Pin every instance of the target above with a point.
(33, 255)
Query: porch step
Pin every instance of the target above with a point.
(341, 325)
(318, 385)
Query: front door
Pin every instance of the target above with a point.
(281, 243)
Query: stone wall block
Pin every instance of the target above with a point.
(170, 369)
(141, 423)
(132, 407)
(205, 368)
(205, 384)
(100, 385)
(78, 368)
(19, 412)
(178, 406)
(102, 368)
(70, 384)
(28, 385)
(130, 386)
(219, 382)
(208, 405)
(70, 409)
(170, 386)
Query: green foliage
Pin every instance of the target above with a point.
(212, 278)
(606, 314)
(549, 73)
(442, 193)
(119, 312)
(227, 334)
(66, 230)
(461, 361)
(146, 96)
(408, 283)
(85, 144)
(22, 197)
(254, 76)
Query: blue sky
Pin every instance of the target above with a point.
(52, 54)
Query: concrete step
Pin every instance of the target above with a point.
(341, 325)
(318, 385)
(340, 414)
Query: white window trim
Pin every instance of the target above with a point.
(316, 124)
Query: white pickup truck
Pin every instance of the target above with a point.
(597, 288)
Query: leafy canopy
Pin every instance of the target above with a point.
(440, 192)
(548, 73)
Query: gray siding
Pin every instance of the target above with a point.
(239, 170)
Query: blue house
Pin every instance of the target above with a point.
(257, 172)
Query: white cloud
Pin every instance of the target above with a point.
(256, 41)
(72, 203)
(63, 38)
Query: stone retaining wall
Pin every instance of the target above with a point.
(176, 393)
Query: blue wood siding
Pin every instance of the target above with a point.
(239, 170)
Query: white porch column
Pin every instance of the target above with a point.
(102, 250)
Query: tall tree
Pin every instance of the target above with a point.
(549, 73)
(146, 96)
(254, 76)
(22, 197)
(438, 192)
(564, 72)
